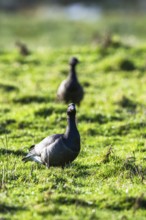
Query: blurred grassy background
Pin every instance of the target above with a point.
(54, 27)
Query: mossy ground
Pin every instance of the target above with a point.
(107, 180)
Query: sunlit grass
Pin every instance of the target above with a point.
(107, 180)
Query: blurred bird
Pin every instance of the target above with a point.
(70, 89)
(22, 48)
(58, 149)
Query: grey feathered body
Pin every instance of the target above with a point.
(70, 91)
(58, 149)
(52, 151)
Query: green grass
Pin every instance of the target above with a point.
(107, 180)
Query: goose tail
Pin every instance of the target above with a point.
(31, 157)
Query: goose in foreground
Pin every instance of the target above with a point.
(58, 149)
(70, 89)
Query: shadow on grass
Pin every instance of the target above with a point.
(67, 201)
(127, 65)
(4, 151)
(128, 203)
(83, 170)
(3, 130)
(10, 209)
(8, 88)
(5, 110)
(4, 124)
(124, 129)
(9, 121)
(100, 118)
(24, 124)
(44, 112)
(86, 84)
(53, 212)
(63, 200)
(127, 103)
(32, 99)
(26, 60)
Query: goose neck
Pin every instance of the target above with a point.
(71, 125)
(73, 72)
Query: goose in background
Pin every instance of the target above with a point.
(23, 49)
(70, 89)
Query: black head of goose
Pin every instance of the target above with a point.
(58, 149)
(70, 89)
